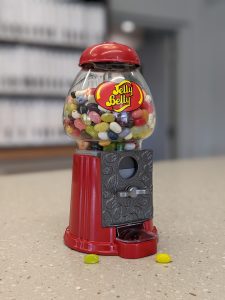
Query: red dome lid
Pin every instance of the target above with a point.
(109, 52)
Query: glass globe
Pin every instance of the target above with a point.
(109, 107)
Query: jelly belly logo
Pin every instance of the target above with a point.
(124, 96)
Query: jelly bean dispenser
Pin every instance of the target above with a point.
(108, 112)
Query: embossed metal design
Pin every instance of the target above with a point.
(118, 210)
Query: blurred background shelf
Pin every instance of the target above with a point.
(29, 96)
(39, 52)
(28, 159)
(52, 22)
(40, 44)
(31, 152)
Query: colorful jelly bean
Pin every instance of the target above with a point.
(79, 124)
(82, 145)
(163, 258)
(148, 106)
(69, 129)
(90, 130)
(112, 135)
(103, 135)
(81, 99)
(69, 99)
(75, 133)
(128, 137)
(69, 122)
(115, 127)
(147, 132)
(82, 109)
(119, 146)
(73, 95)
(69, 107)
(101, 127)
(123, 118)
(148, 98)
(84, 135)
(139, 122)
(86, 119)
(144, 93)
(136, 132)
(104, 143)
(141, 132)
(145, 114)
(151, 121)
(109, 147)
(130, 122)
(107, 117)
(129, 146)
(94, 116)
(136, 114)
(75, 114)
(65, 114)
(93, 107)
(124, 132)
(96, 146)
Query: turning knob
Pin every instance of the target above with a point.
(132, 192)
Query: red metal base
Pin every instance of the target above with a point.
(122, 249)
(101, 248)
(85, 232)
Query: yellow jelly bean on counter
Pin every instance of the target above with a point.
(91, 259)
(163, 258)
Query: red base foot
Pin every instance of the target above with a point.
(101, 248)
(120, 248)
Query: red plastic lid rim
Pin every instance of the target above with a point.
(109, 52)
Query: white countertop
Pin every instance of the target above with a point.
(189, 201)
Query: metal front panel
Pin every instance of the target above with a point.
(118, 210)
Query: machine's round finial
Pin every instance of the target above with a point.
(109, 52)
